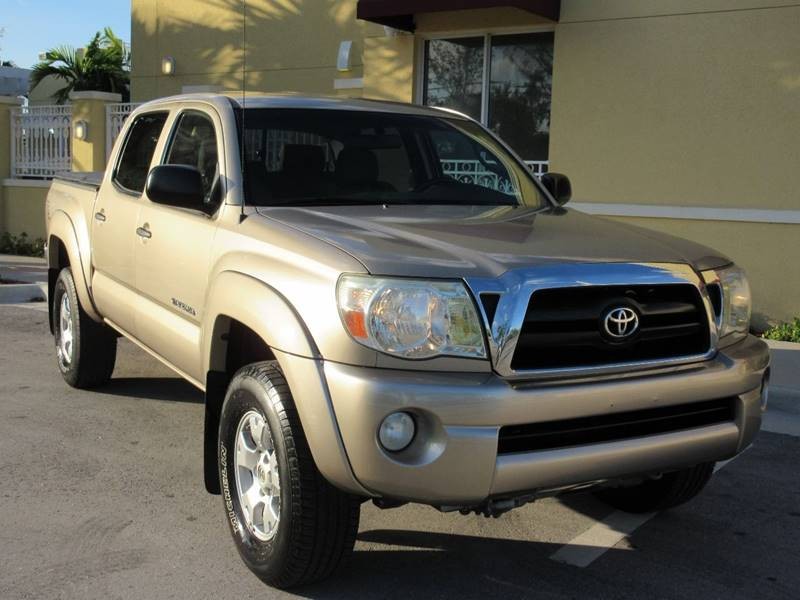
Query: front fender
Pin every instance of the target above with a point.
(77, 247)
(261, 308)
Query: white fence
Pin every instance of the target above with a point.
(115, 119)
(539, 167)
(40, 141)
(474, 172)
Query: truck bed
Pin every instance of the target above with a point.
(92, 179)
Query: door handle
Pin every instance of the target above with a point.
(143, 232)
(100, 216)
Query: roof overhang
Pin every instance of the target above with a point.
(399, 14)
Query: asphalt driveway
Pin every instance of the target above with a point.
(103, 498)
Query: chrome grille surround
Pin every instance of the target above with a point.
(517, 286)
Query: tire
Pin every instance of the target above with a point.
(317, 523)
(85, 350)
(672, 489)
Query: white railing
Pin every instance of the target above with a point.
(115, 119)
(474, 172)
(539, 167)
(40, 141)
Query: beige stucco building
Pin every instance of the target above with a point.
(680, 115)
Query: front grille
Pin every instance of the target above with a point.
(564, 327)
(614, 427)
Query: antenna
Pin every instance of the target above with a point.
(243, 137)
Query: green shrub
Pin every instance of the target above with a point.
(21, 245)
(785, 332)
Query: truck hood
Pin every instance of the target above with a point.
(481, 241)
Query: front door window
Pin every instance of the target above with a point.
(504, 81)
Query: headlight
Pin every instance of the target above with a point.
(411, 318)
(735, 299)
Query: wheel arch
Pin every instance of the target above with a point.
(248, 321)
(64, 250)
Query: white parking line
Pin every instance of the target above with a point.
(583, 550)
(601, 537)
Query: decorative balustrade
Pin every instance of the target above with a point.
(40, 141)
(474, 172)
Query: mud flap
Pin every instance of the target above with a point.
(216, 386)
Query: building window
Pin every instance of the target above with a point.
(504, 81)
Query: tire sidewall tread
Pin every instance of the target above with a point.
(318, 522)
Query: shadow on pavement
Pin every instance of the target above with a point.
(170, 389)
(420, 564)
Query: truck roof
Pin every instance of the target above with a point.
(264, 100)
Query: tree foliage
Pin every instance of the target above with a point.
(103, 66)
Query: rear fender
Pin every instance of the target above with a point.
(60, 226)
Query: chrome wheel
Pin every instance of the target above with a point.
(257, 477)
(65, 332)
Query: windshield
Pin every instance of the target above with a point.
(307, 157)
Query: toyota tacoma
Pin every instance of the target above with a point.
(381, 302)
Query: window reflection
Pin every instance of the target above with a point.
(454, 74)
(519, 85)
(520, 92)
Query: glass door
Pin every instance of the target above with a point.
(504, 81)
(454, 74)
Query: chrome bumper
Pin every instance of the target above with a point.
(454, 460)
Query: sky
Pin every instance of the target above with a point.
(33, 26)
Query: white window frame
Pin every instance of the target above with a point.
(487, 35)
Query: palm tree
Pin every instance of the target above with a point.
(104, 66)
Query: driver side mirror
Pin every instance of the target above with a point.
(180, 186)
(559, 187)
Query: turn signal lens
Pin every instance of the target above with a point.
(736, 300)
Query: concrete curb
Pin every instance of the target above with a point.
(782, 345)
(22, 292)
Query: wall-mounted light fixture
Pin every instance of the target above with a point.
(81, 130)
(343, 59)
(168, 65)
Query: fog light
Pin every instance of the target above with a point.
(397, 431)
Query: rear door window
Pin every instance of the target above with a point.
(137, 151)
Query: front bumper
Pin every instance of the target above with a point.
(453, 460)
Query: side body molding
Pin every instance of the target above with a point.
(78, 250)
(242, 297)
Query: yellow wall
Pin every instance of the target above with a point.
(688, 103)
(686, 109)
(292, 45)
(90, 154)
(22, 210)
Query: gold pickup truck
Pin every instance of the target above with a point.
(380, 301)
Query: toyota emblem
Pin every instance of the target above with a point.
(621, 323)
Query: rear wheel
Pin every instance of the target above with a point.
(671, 489)
(86, 350)
(290, 525)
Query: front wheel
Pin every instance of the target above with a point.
(86, 350)
(671, 489)
(290, 525)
